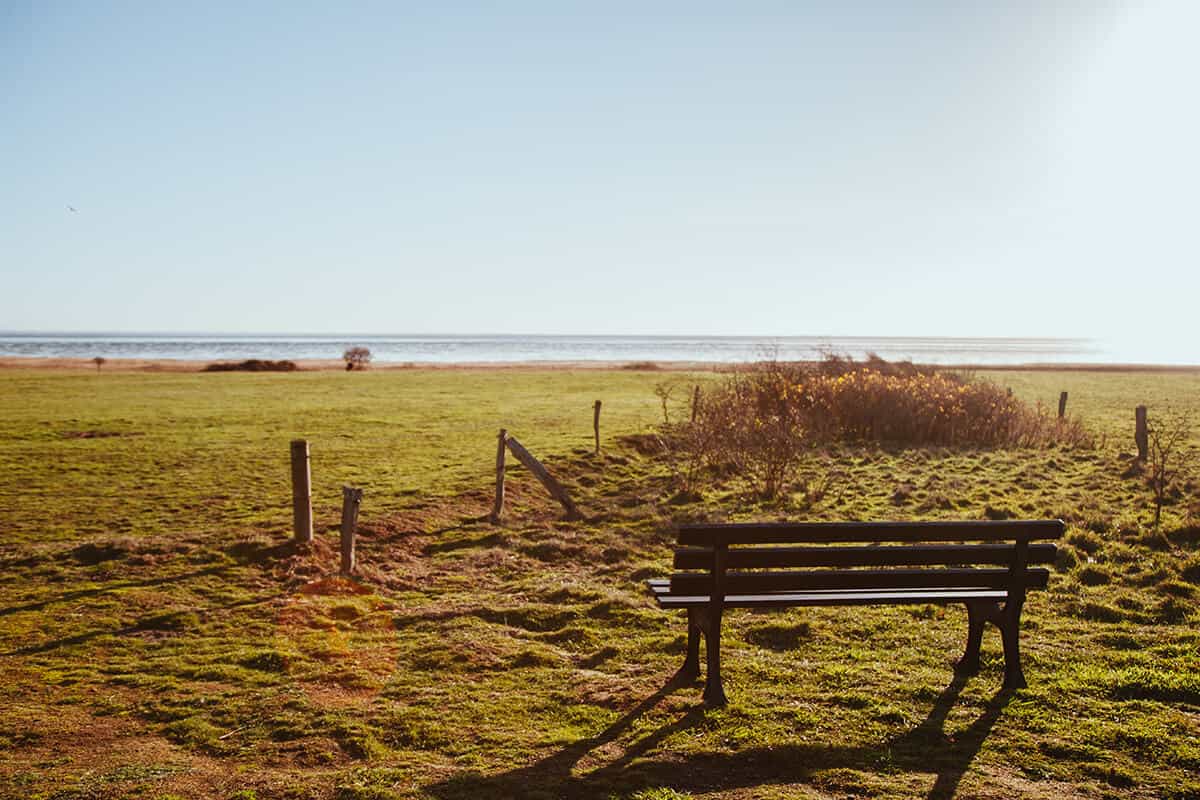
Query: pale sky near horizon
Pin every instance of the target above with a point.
(868, 168)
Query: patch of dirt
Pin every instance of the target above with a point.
(79, 754)
(1000, 784)
(293, 564)
(334, 586)
(335, 697)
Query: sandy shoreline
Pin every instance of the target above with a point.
(327, 365)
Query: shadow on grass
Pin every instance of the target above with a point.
(248, 553)
(926, 749)
(112, 587)
(170, 621)
(491, 540)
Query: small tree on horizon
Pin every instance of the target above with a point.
(357, 358)
(99, 361)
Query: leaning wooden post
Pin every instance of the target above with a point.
(542, 474)
(695, 402)
(351, 498)
(302, 524)
(596, 424)
(498, 504)
(1141, 433)
(1062, 405)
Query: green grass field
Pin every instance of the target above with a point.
(160, 639)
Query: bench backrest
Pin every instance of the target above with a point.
(754, 558)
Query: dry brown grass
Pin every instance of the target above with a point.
(759, 421)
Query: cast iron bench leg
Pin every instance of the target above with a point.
(714, 691)
(1010, 629)
(977, 617)
(691, 665)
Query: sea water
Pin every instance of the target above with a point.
(471, 348)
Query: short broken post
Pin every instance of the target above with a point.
(695, 402)
(596, 424)
(498, 504)
(351, 499)
(302, 524)
(1141, 433)
(1062, 405)
(542, 474)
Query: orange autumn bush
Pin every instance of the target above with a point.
(928, 408)
(761, 420)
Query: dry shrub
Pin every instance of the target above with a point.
(749, 424)
(1168, 437)
(252, 365)
(761, 420)
(689, 448)
(757, 423)
(865, 404)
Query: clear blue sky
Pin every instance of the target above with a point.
(761, 168)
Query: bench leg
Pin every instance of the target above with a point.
(977, 617)
(1010, 630)
(691, 665)
(714, 691)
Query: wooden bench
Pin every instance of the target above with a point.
(985, 565)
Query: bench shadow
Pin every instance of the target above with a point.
(928, 745)
(926, 749)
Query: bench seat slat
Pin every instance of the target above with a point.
(804, 580)
(864, 556)
(662, 587)
(708, 534)
(862, 598)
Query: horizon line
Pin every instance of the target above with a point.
(414, 334)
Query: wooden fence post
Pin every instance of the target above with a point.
(542, 474)
(351, 498)
(596, 424)
(1062, 405)
(302, 524)
(1141, 433)
(498, 504)
(695, 401)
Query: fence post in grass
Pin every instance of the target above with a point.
(498, 504)
(542, 474)
(695, 401)
(596, 424)
(1062, 405)
(351, 498)
(1141, 432)
(302, 524)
